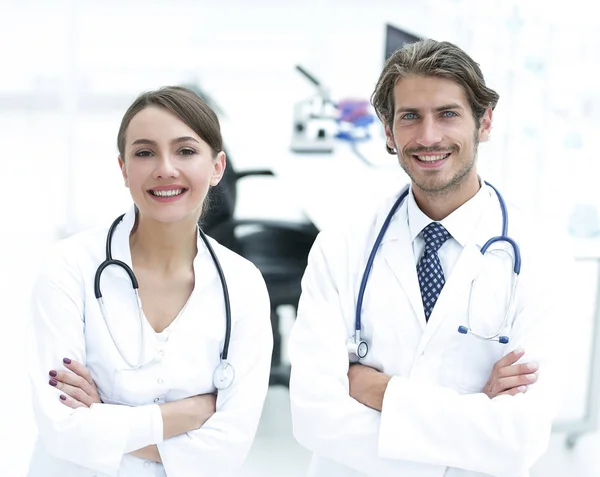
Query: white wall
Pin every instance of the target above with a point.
(87, 60)
(70, 68)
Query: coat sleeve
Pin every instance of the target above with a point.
(223, 442)
(326, 420)
(95, 437)
(506, 435)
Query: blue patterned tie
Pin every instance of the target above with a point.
(429, 268)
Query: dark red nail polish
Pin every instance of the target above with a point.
(66, 361)
(63, 397)
(52, 382)
(53, 373)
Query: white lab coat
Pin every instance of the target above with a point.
(435, 420)
(66, 322)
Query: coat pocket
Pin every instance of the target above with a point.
(473, 362)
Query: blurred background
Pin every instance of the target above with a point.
(305, 147)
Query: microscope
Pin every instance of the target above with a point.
(315, 121)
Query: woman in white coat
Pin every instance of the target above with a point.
(427, 400)
(131, 392)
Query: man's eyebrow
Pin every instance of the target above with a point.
(445, 107)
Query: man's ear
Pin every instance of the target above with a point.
(389, 138)
(485, 127)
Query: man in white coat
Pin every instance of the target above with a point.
(428, 400)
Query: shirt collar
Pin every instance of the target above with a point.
(461, 223)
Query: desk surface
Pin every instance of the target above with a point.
(332, 188)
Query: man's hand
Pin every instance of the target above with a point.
(367, 385)
(510, 378)
(78, 387)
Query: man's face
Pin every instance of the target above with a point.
(435, 133)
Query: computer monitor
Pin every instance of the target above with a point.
(395, 38)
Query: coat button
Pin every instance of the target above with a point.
(159, 380)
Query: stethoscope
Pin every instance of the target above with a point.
(358, 347)
(224, 373)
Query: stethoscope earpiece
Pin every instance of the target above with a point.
(499, 338)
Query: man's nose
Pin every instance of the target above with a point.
(429, 133)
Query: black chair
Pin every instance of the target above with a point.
(279, 249)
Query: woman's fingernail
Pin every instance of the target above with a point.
(531, 377)
(522, 389)
(53, 373)
(66, 361)
(63, 397)
(53, 382)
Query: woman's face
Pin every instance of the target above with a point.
(167, 167)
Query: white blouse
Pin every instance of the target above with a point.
(178, 363)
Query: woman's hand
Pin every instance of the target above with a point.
(78, 387)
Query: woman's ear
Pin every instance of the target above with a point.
(219, 165)
(123, 170)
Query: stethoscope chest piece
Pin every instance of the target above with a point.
(224, 375)
(357, 349)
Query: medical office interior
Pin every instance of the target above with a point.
(291, 83)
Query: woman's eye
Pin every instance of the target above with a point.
(187, 152)
(143, 153)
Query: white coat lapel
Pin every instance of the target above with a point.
(397, 251)
(466, 269)
(120, 242)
